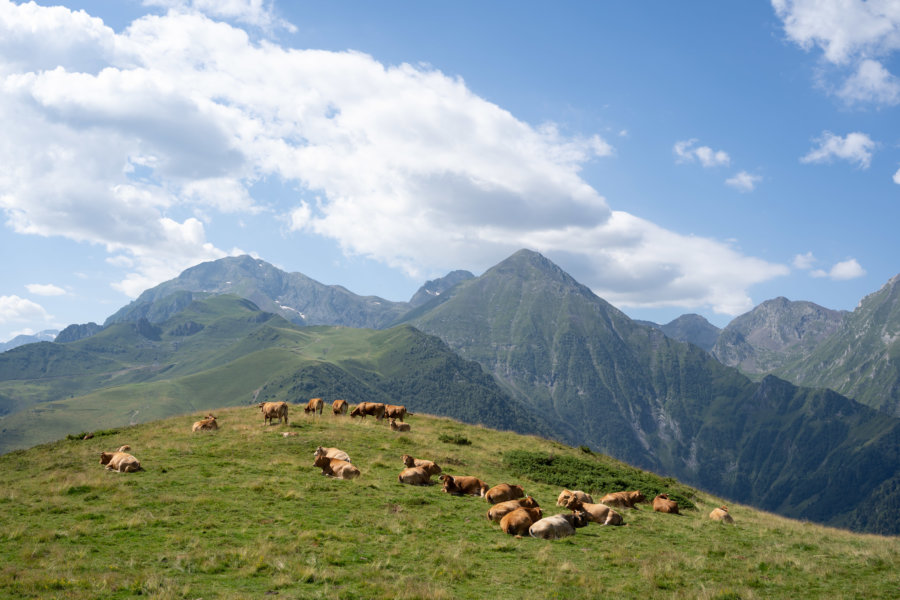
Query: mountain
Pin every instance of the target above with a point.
(225, 351)
(47, 335)
(692, 328)
(435, 287)
(775, 333)
(600, 379)
(76, 332)
(861, 359)
(294, 296)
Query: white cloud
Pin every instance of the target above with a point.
(40, 289)
(686, 152)
(851, 34)
(855, 148)
(744, 181)
(871, 83)
(897, 177)
(402, 164)
(15, 309)
(848, 269)
(804, 261)
(252, 12)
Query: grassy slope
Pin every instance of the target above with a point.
(241, 512)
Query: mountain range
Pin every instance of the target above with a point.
(523, 347)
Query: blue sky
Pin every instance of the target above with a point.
(677, 158)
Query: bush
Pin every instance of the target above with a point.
(457, 439)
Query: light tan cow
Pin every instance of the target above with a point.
(207, 424)
(274, 410)
(315, 405)
(121, 462)
(597, 513)
(566, 494)
(394, 411)
(339, 407)
(414, 476)
(432, 467)
(335, 467)
(558, 526)
(331, 453)
(376, 409)
(399, 426)
(721, 514)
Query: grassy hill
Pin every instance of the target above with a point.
(241, 513)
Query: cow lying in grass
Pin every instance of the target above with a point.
(121, 462)
(498, 511)
(503, 492)
(414, 476)
(566, 494)
(431, 467)
(463, 486)
(207, 424)
(623, 499)
(721, 514)
(399, 426)
(558, 526)
(597, 513)
(335, 467)
(663, 504)
(331, 453)
(518, 521)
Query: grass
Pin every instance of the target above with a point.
(241, 513)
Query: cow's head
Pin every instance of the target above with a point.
(105, 457)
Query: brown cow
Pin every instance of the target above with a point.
(332, 453)
(315, 405)
(662, 504)
(414, 476)
(209, 423)
(274, 410)
(462, 485)
(340, 407)
(335, 467)
(721, 514)
(120, 462)
(394, 411)
(497, 511)
(623, 499)
(597, 513)
(376, 409)
(503, 492)
(566, 494)
(518, 521)
(399, 426)
(558, 526)
(432, 467)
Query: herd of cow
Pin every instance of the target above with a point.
(517, 513)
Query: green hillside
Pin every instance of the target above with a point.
(242, 513)
(224, 351)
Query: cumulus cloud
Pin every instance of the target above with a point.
(897, 177)
(744, 181)
(48, 289)
(855, 148)
(252, 12)
(848, 269)
(804, 261)
(140, 139)
(15, 309)
(686, 152)
(853, 35)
